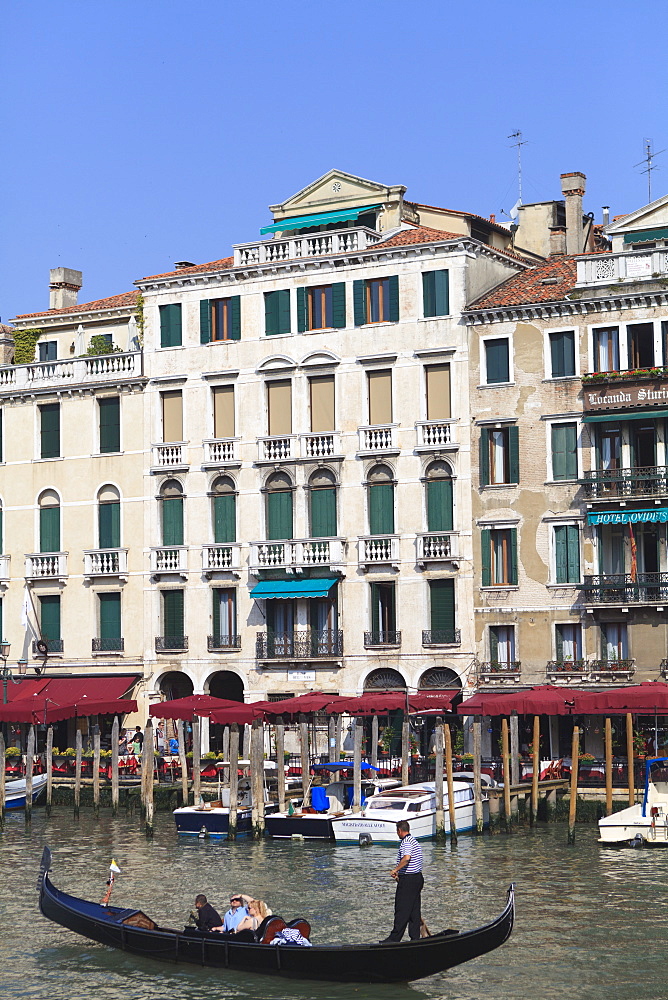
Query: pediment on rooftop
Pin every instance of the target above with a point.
(336, 189)
(652, 216)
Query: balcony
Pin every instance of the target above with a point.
(52, 646)
(320, 445)
(221, 557)
(70, 372)
(435, 435)
(106, 645)
(306, 645)
(441, 637)
(106, 562)
(611, 670)
(617, 391)
(169, 457)
(378, 439)
(4, 568)
(437, 546)
(219, 643)
(378, 550)
(499, 672)
(296, 554)
(169, 559)
(567, 671)
(277, 449)
(385, 637)
(298, 247)
(621, 484)
(220, 452)
(631, 266)
(623, 589)
(46, 566)
(171, 643)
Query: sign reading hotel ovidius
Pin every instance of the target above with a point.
(620, 394)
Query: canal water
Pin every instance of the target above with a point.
(591, 923)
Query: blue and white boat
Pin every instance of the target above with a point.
(15, 791)
(646, 822)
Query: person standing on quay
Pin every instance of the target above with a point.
(407, 873)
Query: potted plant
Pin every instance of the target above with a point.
(12, 752)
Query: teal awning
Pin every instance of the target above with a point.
(305, 221)
(629, 516)
(286, 589)
(612, 415)
(646, 236)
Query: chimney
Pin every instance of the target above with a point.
(573, 189)
(64, 285)
(606, 215)
(557, 241)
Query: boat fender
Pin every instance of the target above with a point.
(365, 839)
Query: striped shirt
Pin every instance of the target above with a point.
(409, 845)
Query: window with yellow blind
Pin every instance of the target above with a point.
(172, 416)
(437, 379)
(321, 391)
(279, 408)
(380, 397)
(223, 411)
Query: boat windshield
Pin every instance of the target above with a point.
(380, 803)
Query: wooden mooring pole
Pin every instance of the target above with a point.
(573, 803)
(306, 763)
(30, 765)
(477, 771)
(183, 760)
(3, 793)
(405, 750)
(358, 732)
(197, 759)
(280, 762)
(629, 755)
(608, 766)
(148, 765)
(96, 772)
(438, 779)
(451, 787)
(49, 769)
(373, 754)
(115, 738)
(257, 777)
(77, 774)
(535, 770)
(234, 782)
(505, 753)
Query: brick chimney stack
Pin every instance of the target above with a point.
(573, 189)
(64, 285)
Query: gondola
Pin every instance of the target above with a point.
(132, 931)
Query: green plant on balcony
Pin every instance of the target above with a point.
(633, 374)
(12, 752)
(69, 752)
(24, 346)
(100, 345)
(208, 756)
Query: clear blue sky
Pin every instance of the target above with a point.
(140, 132)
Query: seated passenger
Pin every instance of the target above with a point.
(234, 915)
(257, 911)
(206, 917)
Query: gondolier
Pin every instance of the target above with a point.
(407, 873)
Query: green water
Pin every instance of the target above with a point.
(591, 923)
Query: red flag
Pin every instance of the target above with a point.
(634, 559)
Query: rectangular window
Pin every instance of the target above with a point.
(435, 293)
(641, 345)
(110, 622)
(566, 553)
(48, 350)
(497, 360)
(502, 645)
(277, 312)
(172, 416)
(568, 642)
(437, 379)
(225, 518)
(173, 619)
(223, 411)
(110, 424)
(499, 456)
(279, 407)
(220, 319)
(381, 508)
(110, 525)
(49, 424)
(49, 529)
(322, 307)
(608, 448)
(170, 325)
(606, 349)
(321, 392)
(380, 398)
(376, 300)
(224, 616)
(614, 641)
(562, 353)
(383, 614)
(564, 451)
(49, 617)
(499, 557)
(442, 610)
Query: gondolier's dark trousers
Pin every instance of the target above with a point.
(407, 907)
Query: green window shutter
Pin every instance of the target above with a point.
(301, 309)
(170, 325)
(323, 513)
(439, 505)
(442, 291)
(429, 293)
(375, 608)
(235, 317)
(216, 613)
(497, 360)
(486, 553)
(284, 310)
(573, 553)
(381, 509)
(561, 553)
(110, 424)
(484, 457)
(110, 525)
(394, 298)
(204, 321)
(359, 302)
(558, 643)
(557, 351)
(442, 604)
(339, 305)
(172, 607)
(49, 529)
(279, 515)
(172, 521)
(50, 616)
(493, 645)
(110, 616)
(50, 430)
(270, 313)
(2, 549)
(224, 518)
(513, 455)
(512, 565)
(564, 451)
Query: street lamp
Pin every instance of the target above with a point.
(6, 672)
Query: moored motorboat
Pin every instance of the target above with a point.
(15, 791)
(645, 822)
(416, 803)
(134, 932)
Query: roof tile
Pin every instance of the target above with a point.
(113, 302)
(530, 285)
(225, 264)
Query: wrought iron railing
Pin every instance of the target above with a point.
(616, 666)
(215, 642)
(606, 484)
(52, 646)
(441, 637)
(383, 638)
(500, 667)
(171, 643)
(106, 645)
(567, 667)
(626, 588)
(299, 645)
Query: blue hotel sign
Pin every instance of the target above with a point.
(630, 516)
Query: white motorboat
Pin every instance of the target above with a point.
(211, 819)
(15, 791)
(327, 803)
(416, 803)
(645, 822)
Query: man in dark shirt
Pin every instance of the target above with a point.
(207, 917)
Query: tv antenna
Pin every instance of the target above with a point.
(648, 160)
(519, 142)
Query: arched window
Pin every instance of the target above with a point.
(49, 521)
(380, 498)
(439, 497)
(171, 496)
(440, 679)
(322, 504)
(384, 679)
(109, 518)
(279, 506)
(224, 503)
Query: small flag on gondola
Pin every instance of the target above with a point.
(634, 558)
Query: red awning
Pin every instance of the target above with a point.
(546, 699)
(241, 715)
(303, 704)
(26, 689)
(186, 708)
(648, 698)
(382, 702)
(68, 697)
